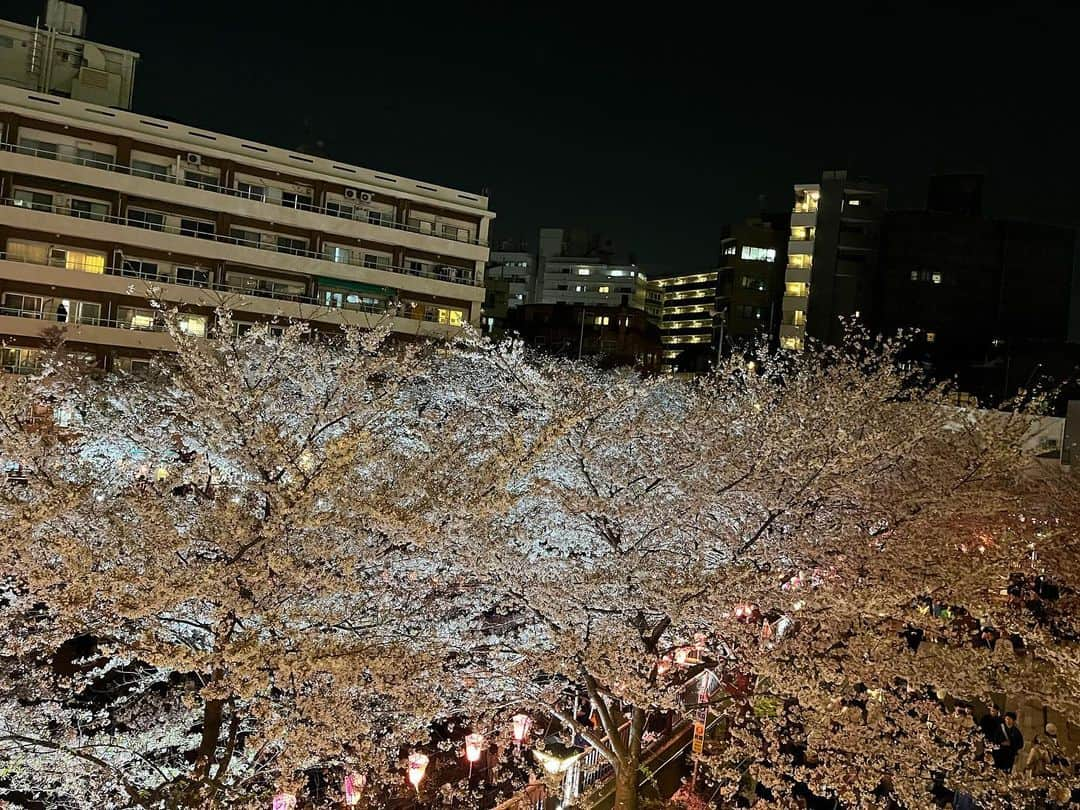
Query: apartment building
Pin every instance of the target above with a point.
(751, 278)
(688, 317)
(102, 209)
(574, 267)
(518, 269)
(832, 257)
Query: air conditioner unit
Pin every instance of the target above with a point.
(350, 193)
(366, 196)
(193, 159)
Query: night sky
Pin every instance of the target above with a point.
(654, 126)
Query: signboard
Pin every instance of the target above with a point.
(699, 737)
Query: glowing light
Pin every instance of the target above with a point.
(681, 654)
(284, 801)
(417, 767)
(552, 764)
(474, 745)
(354, 785)
(521, 727)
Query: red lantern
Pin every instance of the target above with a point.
(521, 727)
(353, 787)
(417, 766)
(284, 801)
(474, 744)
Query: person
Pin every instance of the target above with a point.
(61, 313)
(991, 721)
(1009, 741)
(1038, 759)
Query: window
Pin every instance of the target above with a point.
(27, 252)
(603, 289)
(24, 306)
(416, 268)
(77, 260)
(266, 286)
(806, 200)
(751, 253)
(579, 288)
(139, 268)
(914, 275)
(602, 320)
(154, 171)
(290, 199)
(151, 220)
(138, 366)
(196, 228)
(339, 255)
(616, 273)
(379, 218)
(799, 317)
(755, 284)
(33, 199)
(193, 276)
(87, 313)
(134, 318)
(292, 246)
(246, 238)
(84, 209)
(935, 277)
(793, 343)
(349, 299)
(931, 337)
(799, 289)
(29, 146)
(241, 328)
(338, 209)
(561, 287)
(375, 261)
(451, 317)
(20, 361)
(800, 233)
(451, 231)
(729, 250)
(91, 157)
(584, 271)
(194, 325)
(800, 261)
(856, 203)
(207, 182)
(250, 191)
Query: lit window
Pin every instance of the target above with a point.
(583, 271)
(453, 317)
(854, 202)
(604, 289)
(758, 254)
(801, 233)
(935, 277)
(914, 275)
(192, 325)
(579, 288)
(931, 337)
(797, 288)
(617, 273)
(729, 250)
(799, 318)
(800, 261)
(791, 343)
(86, 262)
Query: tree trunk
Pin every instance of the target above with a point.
(626, 786)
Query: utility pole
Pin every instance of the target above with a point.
(581, 337)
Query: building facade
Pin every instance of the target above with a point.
(57, 59)
(688, 319)
(750, 280)
(101, 209)
(832, 258)
(612, 335)
(577, 268)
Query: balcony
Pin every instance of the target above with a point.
(793, 302)
(332, 214)
(192, 242)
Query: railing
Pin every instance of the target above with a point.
(381, 221)
(42, 315)
(158, 278)
(448, 273)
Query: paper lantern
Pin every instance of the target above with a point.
(354, 785)
(474, 745)
(681, 654)
(284, 801)
(417, 766)
(521, 726)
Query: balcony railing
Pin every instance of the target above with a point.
(452, 275)
(157, 278)
(381, 221)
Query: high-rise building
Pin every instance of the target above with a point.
(688, 318)
(990, 298)
(750, 280)
(575, 268)
(832, 257)
(102, 209)
(518, 269)
(55, 58)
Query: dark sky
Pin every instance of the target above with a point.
(654, 123)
